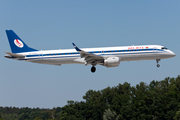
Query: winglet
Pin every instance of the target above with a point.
(76, 47)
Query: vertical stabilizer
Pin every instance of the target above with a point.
(16, 44)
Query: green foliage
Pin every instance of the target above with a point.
(160, 100)
(177, 116)
(111, 115)
(9, 117)
(73, 111)
(9, 113)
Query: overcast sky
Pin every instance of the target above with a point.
(55, 24)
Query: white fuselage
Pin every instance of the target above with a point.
(125, 53)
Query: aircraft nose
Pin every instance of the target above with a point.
(173, 54)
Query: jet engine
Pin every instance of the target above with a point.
(112, 62)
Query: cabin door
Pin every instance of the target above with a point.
(155, 50)
(40, 56)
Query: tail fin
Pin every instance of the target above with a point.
(16, 44)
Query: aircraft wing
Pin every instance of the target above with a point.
(89, 57)
(13, 55)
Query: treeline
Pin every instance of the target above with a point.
(160, 100)
(13, 113)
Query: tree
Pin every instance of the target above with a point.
(9, 116)
(110, 115)
(23, 116)
(95, 105)
(158, 100)
(177, 116)
(142, 102)
(73, 111)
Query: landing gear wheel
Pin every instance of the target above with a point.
(158, 65)
(157, 61)
(93, 69)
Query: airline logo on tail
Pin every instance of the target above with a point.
(18, 43)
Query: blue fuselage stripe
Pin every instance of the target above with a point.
(101, 53)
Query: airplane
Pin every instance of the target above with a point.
(105, 56)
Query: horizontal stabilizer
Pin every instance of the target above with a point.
(14, 55)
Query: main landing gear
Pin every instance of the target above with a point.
(157, 61)
(93, 69)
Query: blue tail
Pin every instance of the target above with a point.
(16, 44)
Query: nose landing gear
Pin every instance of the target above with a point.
(93, 69)
(157, 61)
(158, 65)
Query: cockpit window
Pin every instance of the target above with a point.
(164, 48)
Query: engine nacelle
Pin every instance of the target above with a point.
(112, 62)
